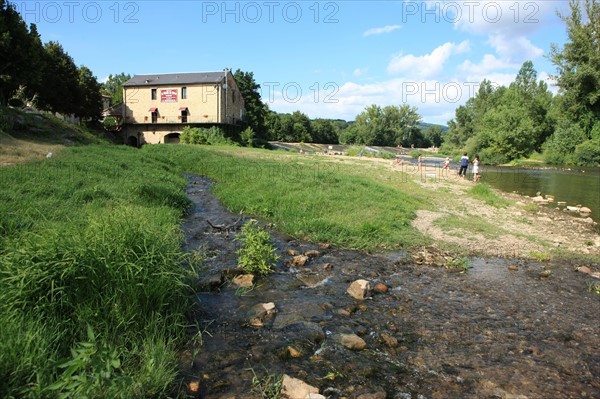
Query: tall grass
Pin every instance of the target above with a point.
(315, 198)
(93, 295)
(90, 241)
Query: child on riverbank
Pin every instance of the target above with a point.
(476, 175)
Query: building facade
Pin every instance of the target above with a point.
(156, 108)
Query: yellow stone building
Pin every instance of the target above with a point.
(157, 107)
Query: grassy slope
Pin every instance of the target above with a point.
(90, 241)
(28, 136)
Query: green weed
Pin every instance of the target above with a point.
(540, 256)
(267, 387)
(458, 264)
(256, 253)
(483, 192)
(594, 286)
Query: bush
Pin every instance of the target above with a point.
(211, 136)
(6, 121)
(588, 153)
(111, 124)
(248, 137)
(256, 255)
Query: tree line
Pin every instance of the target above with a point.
(509, 123)
(44, 75)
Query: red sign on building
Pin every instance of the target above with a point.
(168, 96)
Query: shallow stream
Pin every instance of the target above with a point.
(490, 332)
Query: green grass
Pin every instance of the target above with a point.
(314, 198)
(484, 193)
(91, 239)
(93, 295)
(467, 225)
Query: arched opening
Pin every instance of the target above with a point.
(172, 138)
(132, 141)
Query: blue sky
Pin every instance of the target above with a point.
(327, 59)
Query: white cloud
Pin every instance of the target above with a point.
(360, 72)
(435, 101)
(381, 30)
(489, 65)
(429, 64)
(518, 49)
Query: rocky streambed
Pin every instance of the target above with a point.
(505, 328)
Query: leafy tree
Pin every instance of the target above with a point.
(301, 128)
(578, 64)
(325, 131)
(406, 126)
(578, 77)
(60, 92)
(435, 135)
(369, 126)
(90, 99)
(390, 125)
(20, 51)
(113, 87)
(256, 111)
(504, 123)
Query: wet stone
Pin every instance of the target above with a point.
(294, 388)
(389, 340)
(380, 288)
(243, 280)
(311, 280)
(359, 289)
(299, 260)
(312, 254)
(211, 282)
(352, 341)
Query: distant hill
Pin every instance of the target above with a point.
(425, 126)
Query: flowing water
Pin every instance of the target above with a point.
(491, 332)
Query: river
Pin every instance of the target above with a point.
(573, 186)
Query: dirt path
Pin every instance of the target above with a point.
(506, 328)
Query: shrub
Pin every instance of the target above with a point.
(6, 121)
(212, 135)
(111, 124)
(256, 254)
(588, 153)
(248, 137)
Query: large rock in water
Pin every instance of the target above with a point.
(353, 342)
(293, 388)
(360, 289)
